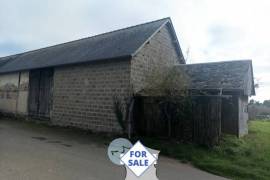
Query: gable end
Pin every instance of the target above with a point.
(174, 40)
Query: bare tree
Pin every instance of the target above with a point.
(167, 82)
(257, 82)
(187, 55)
(123, 109)
(171, 84)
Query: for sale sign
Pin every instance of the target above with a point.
(138, 159)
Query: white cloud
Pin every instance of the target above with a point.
(213, 30)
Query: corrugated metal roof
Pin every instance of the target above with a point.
(227, 75)
(116, 44)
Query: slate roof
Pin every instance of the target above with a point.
(123, 43)
(227, 75)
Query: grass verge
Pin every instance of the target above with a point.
(244, 158)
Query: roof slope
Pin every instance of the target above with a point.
(227, 75)
(116, 44)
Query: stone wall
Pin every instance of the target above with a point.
(158, 52)
(83, 94)
(243, 115)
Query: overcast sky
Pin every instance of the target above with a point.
(212, 30)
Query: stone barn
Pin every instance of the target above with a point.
(73, 84)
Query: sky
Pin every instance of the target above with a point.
(208, 30)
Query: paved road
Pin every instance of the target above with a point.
(31, 152)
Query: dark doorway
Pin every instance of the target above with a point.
(40, 93)
(230, 116)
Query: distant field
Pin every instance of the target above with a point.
(245, 158)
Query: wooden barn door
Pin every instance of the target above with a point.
(40, 91)
(33, 101)
(206, 120)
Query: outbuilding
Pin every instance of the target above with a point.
(73, 84)
(231, 80)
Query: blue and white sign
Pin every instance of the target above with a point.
(138, 159)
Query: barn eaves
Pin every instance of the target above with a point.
(120, 44)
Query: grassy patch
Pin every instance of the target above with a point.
(245, 158)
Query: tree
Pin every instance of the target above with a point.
(251, 102)
(266, 103)
(257, 83)
(254, 102)
(167, 82)
(118, 108)
(123, 109)
(171, 84)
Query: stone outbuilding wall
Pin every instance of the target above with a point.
(83, 94)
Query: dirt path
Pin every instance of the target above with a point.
(31, 152)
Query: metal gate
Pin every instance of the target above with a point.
(40, 93)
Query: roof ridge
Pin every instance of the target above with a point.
(129, 27)
(90, 37)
